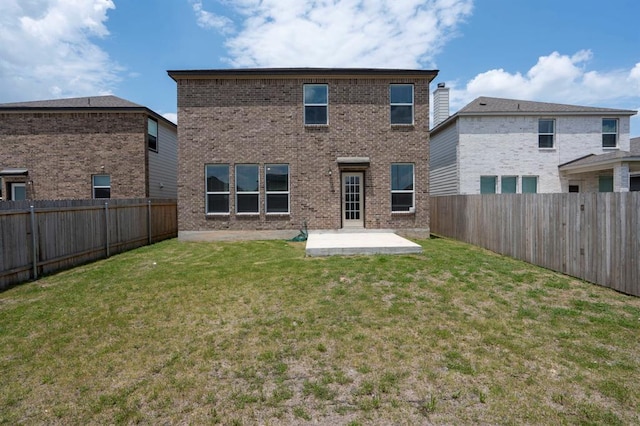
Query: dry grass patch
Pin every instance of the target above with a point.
(255, 333)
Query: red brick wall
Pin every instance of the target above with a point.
(63, 150)
(261, 121)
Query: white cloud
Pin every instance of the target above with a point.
(209, 20)
(46, 49)
(171, 116)
(558, 78)
(341, 33)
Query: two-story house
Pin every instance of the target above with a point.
(91, 147)
(271, 149)
(496, 145)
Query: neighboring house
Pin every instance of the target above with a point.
(496, 145)
(272, 149)
(92, 147)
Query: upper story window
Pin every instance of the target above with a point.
(546, 133)
(316, 104)
(401, 99)
(609, 132)
(402, 193)
(152, 134)
(247, 188)
(101, 186)
(217, 182)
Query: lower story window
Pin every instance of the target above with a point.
(402, 184)
(247, 188)
(509, 184)
(488, 184)
(605, 183)
(217, 182)
(529, 184)
(101, 186)
(277, 188)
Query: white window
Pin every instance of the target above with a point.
(529, 184)
(217, 185)
(277, 188)
(101, 186)
(402, 192)
(508, 184)
(247, 189)
(488, 184)
(401, 100)
(152, 134)
(18, 191)
(546, 133)
(609, 132)
(316, 104)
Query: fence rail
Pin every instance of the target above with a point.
(40, 237)
(592, 236)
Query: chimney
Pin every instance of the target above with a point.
(440, 104)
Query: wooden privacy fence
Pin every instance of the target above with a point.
(592, 236)
(40, 237)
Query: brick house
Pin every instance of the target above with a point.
(271, 149)
(496, 145)
(91, 147)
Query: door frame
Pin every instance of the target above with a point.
(352, 223)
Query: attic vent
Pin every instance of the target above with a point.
(483, 103)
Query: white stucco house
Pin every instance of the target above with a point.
(496, 145)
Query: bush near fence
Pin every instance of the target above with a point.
(592, 236)
(40, 237)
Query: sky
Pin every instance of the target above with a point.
(581, 52)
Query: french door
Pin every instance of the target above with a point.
(353, 200)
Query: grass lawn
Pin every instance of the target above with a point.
(255, 333)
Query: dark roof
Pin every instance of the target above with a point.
(499, 106)
(635, 145)
(85, 102)
(483, 105)
(89, 103)
(609, 157)
(303, 72)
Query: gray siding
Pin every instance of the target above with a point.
(443, 162)
(163, 165)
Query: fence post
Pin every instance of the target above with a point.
(34, 240)
(149, 220)
(106, 226)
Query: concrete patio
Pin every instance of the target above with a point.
(347, 242)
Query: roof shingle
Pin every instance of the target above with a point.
(108, 101)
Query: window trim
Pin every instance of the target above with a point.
(267, 192)
(207, 192)
(94, 186)
(552, 134)
(238, 192)
(412, 208)
(616, 133)
(305, 104)
(412, 104)
(156, 136)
